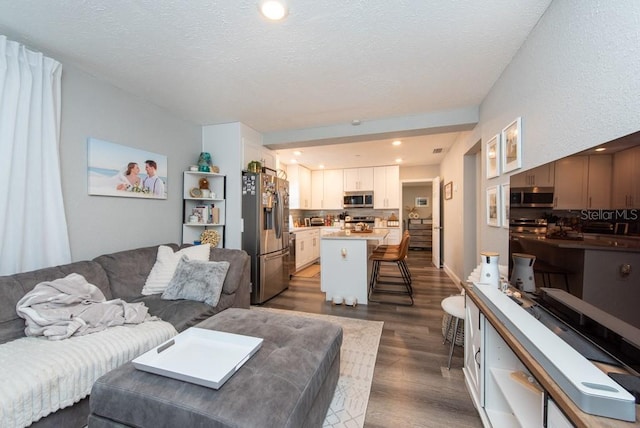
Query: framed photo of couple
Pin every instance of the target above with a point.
(123, 171)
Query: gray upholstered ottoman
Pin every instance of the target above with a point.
(289, 382)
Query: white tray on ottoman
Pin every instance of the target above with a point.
(204, 357)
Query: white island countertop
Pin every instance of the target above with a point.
(375, 234)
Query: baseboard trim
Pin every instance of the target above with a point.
(452, 275)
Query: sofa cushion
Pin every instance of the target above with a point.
(197, 280)
(13, 287)
(128, 270)
(239, 267)
(166, 263)
(183, 314)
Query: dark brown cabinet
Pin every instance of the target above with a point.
(421, 232)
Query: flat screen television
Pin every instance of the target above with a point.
(608, 214)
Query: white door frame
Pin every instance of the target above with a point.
(426, 181)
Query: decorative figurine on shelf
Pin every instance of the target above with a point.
(204, 162)
(413, 212)
(203, 185)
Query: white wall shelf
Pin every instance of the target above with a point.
(191, 231)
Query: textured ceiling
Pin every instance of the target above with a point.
(328, 63)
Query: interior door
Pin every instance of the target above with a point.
(437, 228)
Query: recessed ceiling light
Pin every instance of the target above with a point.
(274, 10)
(397, 143)
(297, 153)
(294, 161)
(321, 166)
(399, 160)
(601, 149)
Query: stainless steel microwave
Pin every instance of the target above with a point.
(531, 197)
(357, 200)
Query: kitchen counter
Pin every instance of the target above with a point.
(345, 268)
(374, 235)
(296, 229)
(599, 269)
(589, 242)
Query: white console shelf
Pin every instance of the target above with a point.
(557, 387)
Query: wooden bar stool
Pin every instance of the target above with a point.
(394, 249)
(454, 306)
(391, 287)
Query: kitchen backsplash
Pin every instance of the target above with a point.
(302, 214)
(624, 222)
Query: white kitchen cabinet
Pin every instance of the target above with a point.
(317, 189)
(299, 187)
(571, 183)
(307, 247)
(386, 187)
(626, 179)
(356, 179)
(599, 182)
(542, 176)
(327, 189)
(583, 182)
(315, 245)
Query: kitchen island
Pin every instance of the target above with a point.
(602, 269)
(345, 267)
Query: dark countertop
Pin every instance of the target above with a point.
(590, 242)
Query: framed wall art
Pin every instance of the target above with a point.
(422, 201)
(512, 146)
(448, 190)
(493, 209)
(492, 154)
(117, 170)
(504, 195)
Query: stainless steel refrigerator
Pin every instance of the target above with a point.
(265, 237)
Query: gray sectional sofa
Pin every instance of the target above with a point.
(122, 275)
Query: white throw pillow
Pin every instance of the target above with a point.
(166, 263)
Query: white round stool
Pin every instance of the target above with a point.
(454, 306)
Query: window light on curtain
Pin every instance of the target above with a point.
(33, 227)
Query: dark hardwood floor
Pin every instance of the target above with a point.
(411, 385)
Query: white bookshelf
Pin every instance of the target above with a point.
(191, 231)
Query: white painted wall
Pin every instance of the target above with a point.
(101, 224)
(575, 83)
(226, 144)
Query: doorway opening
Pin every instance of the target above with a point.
(416, 213)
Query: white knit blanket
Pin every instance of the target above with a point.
(39, 376)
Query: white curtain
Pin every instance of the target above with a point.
(33, 227)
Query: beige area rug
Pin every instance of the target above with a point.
(360, 340)
(309, 272)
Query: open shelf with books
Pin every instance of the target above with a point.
(203, 205)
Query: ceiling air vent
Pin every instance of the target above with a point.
(438, 150)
